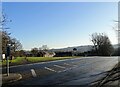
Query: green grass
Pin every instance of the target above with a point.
(16, 61)
(23, 60)
(43, 59)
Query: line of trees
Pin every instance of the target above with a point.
(101, 47)
(35, 51)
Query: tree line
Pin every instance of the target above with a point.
(101, 47)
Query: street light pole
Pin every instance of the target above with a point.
(8, 57)
(7, 66)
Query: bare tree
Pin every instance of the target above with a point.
(44, 47)
(116, 28)
(17, 46)
(5, 41)
(34, 51)
(5, 35)
(102, 44)
(6, 38)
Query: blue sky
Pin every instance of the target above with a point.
(58, 24)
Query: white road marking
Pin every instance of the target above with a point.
(70, 65)
(66, 64)
(59, 66)
(33, 73)
(74, 64)
(65, 70)
(50, 69)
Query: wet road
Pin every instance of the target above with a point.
(78, 71)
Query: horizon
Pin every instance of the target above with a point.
(68, 47)
(60, 25)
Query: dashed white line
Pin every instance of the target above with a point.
(65, 70)
(50, 69)
(70, 65)
(59, 66)
(66, 64)
(33, 73)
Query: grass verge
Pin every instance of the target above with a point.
(44, 59)
(27, 60)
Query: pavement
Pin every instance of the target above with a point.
(78, 71)
(11, 78)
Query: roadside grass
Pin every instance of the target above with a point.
(23, 60)
(16, 61)
(44, 59)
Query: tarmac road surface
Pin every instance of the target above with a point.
(77, 71)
